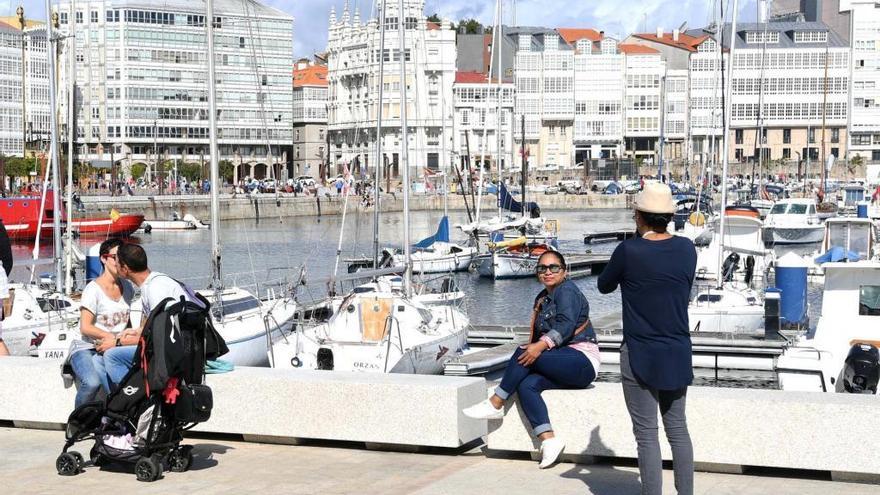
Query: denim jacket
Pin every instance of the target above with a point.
(559, 315)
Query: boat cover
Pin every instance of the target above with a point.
(442, 235)
(506, 201)
(837, 253)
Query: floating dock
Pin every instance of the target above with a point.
(608, 236)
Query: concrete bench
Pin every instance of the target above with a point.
(730, 429)
(285, 406)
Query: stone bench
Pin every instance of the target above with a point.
(285, 406)
(730, 429)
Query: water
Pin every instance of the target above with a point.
(271, 249)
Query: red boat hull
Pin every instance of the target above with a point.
(21, 215)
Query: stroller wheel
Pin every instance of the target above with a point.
(148, 468)
(181, 459)
(67, 464)
(79, 459)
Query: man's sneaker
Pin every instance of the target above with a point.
(550, 450)
(483, 410)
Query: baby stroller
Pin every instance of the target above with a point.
(142, 420)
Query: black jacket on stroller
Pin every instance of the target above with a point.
(142, 420)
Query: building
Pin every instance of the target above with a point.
(29, 97)
(309, 117)
(831, 12)
(864, 125)
(803, 106)
(353, 77)
(645, 72)
(477, 126)
(598, 95)
(142, 85)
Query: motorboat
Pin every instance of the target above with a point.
(516, 258)
(512, 227)
(188, 222)
(732, 308)
(21, 217)
(841, 353)
(793, 221)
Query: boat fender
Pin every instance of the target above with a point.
(296, 362)
(750, 269)
(148, 228)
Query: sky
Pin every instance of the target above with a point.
(616, 17)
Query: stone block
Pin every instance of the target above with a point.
(728, 427)
(285, 405)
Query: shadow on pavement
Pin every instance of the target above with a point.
(203, 455)
(602, 478)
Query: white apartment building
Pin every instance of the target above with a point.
(544, 75)
(477, 126)
(864, 125)
(30, 96)
(645, 71)
(142, 85)
(792, 65)
(705, 97)
(598, 87)
(309, 117)
(353, 53)
(675, 104)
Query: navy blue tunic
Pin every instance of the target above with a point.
(655, 279)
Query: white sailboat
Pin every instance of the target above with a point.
(728, 307)
(380, 326)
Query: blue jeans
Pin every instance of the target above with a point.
(117, 361)
(88, 379)
(558, 368)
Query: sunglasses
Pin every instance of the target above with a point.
(554, 268)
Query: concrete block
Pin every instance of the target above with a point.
(730, 428)
(285, 405)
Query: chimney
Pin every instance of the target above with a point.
(659, 32)
(675, 35)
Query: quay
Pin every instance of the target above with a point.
(608, 236)
(824, 436)
(267, 206)
(226, 464)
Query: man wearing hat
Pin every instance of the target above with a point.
(655, 272)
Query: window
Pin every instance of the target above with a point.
(79, 17)
(875, 155)
(786, 153)
(739, 137)
(835, 152)
(869, 300)
(738, 154)
(810, 37)
(835, 137)
(812, 135)
(786, 137)
(62, 19)
(94, 17)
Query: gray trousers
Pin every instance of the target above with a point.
(642, 403)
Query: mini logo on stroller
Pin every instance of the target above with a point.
(129, 390)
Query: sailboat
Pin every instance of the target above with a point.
(728, 306)
(381, 326)
(435, 254)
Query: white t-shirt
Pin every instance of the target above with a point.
(157, 287)
(110, 316)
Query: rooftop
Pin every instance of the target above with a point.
(684, 42)
(314, 75)
(634, 49)
(573, 35)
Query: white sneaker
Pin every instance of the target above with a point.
(550, 451)
(483, 410)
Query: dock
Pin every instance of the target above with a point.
(608, 236)
(583, 265)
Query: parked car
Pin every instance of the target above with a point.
(305, 181)
(268, 185)
(551, 190)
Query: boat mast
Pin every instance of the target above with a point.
(823, 159)
(53, 149)
(216, 281)
(725, 160)
(380, 159)
(71, 138)
(496, 40)
(404, 147)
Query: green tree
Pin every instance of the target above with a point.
(854, 163)
(434, 18)
(18, 167)
(138, 170)
(226, 170)
(471, 26)
(191, 171)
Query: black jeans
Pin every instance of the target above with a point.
(642, 403)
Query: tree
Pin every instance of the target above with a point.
(434, 18)
(138, 170)
(226, 170)
(191, 171)
(471, 26)
(18, 167)
(854, 163)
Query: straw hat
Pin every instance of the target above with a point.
(655, 198)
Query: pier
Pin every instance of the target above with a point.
(608, 236)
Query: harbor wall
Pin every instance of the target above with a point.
(243, 207)
(731, 428)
